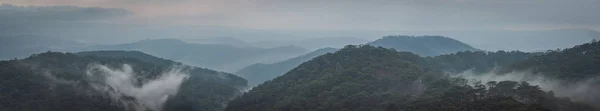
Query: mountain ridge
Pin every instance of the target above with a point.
(60, 79)
(214, 56)
(423, 45)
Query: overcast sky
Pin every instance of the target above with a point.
(381, 15)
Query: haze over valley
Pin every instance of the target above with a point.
(282, 55)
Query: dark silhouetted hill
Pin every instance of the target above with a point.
(368, 78)
(60, 81)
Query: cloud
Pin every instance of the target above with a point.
(584, 90)
(151, 94)
(11, 13)
(358, 14)
(448, 14)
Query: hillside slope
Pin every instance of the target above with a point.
(367, 78)
(577, 63)
(576, 70)
(65, 81)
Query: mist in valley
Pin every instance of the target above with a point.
(583, 90)
(228, 55)
(120, 82)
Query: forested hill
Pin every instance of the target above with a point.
(207, 74)
(576, 69)
(259, 73)
(353, 78)
(574, 64)
(368, 78)
(423, 45)
(54, 81)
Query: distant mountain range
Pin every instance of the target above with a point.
(491, 40)
(423, 45)
(213, 56)
(314, 43)
(221, 40)
(259, 73)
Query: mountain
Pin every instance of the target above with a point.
(112, 80)
(568, 72)
(423, 45)
(573, 69)
(575, 63)
(213, 56)
(259, 73)
(366, 78)
(313, 43)
(334, 80)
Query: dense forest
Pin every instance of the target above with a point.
(577, 67)
(375, 78)
(55, 81)
(574, 64)
(356, 77)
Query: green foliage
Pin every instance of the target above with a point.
(56, 81)
(24, 85)
(353, 78)
(493, 96)
(367, 78)
(573, 64)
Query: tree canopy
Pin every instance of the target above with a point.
(54, 81)
(364, 77)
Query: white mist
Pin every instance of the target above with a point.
(151, 94)
(583, 90)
